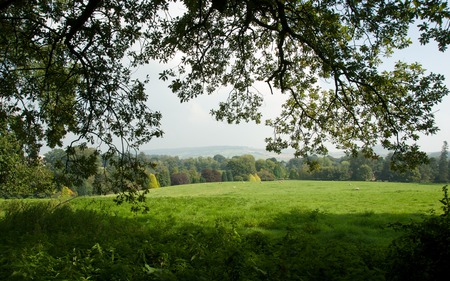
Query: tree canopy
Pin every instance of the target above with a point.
(66, 67)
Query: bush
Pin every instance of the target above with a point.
(238, 178)
(423, 251)
(65, 191)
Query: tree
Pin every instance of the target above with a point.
(279, 171)
(254, 178)
(220, 159)
(152, 181)
(74, 166)
(102, 182)
(230, 175)
(62, 71)
(358, 167)
(224, 176)
(291, 45)
(260, 164)
(66, 67)
(265, 175)
(179, 178)
(427, 172)
(163, 175)
(442, 175)
(293, 175)
(344, 170)
(242, 166)
(387, 174)
(363, 173)
(10, 165)
(18, 176)
(211, 175)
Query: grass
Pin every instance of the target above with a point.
(291, 230)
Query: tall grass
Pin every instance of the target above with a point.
(291, 230)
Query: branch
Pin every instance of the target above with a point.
(77, 24)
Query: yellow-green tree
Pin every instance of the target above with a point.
(152, 182)
(253, 178)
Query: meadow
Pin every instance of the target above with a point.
(281, 230)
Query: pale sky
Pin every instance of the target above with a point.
(190, 124)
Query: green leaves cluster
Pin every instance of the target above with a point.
(64, 70)
(18, 176)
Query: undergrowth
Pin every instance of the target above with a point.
(40, 241)
(423, 251)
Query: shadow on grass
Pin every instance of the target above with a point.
(43, 242)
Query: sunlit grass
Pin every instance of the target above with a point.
(332, 197)
(330, 208)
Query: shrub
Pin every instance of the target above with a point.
(238, 178)
(423, 251)
(65, 191)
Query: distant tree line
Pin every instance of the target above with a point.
(347, 168)
(86, 173)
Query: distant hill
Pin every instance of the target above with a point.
(226, 151)
(230, 151)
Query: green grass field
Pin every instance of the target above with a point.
(283, 230)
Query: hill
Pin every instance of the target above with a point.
(227, 151)
(258, 153)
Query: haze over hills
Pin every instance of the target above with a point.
(226, 151)
(210, 151)
(230, 151)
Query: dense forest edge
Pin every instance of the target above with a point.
(85, 171)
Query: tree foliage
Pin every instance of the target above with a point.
(62, 70)
(293, 45)
(73, 166)
(443, 172)
(66, 67)
(19, 177)
(211, 175)
(153, 181)
(179, 178)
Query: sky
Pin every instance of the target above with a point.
(190, 124)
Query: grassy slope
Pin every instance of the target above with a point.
(287, 230)
(274, 207)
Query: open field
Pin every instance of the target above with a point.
(291, 230)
